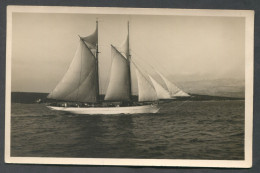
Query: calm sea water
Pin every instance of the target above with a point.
(182, 130)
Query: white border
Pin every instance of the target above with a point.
(249, 64)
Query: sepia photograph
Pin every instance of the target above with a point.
(129, 87)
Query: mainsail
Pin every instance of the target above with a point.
(161, 92)
(173, 89)
(80, 81)
(146, 92)
(119, 83)
(119, 87)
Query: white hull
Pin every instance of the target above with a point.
(108, 110)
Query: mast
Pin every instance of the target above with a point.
(129, 63)
(97, 72)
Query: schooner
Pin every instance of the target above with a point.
(79, 92)
(80, 84)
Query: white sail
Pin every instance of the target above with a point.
(146, 92)
(161, 92)
(173, 89)
(78, 84)
(119, 83)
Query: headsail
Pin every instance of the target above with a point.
(79, 82)
(161, 92)
(119, 83)
(173, 89)
(146, 92)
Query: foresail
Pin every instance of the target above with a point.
(119, 82)
(78, 82)
(173, 89)
(161, 92)
(146, 92)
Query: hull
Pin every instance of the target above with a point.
(108, 110)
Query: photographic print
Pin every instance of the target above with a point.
(125, 86)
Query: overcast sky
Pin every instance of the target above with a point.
(43, 46)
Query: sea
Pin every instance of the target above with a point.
(212, 130)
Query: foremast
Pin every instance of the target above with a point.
(128, 56)
(97, 67)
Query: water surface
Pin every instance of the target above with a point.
(182, 130)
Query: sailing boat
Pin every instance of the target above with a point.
(80, 84)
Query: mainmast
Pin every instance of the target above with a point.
(129, 63)
(97, 72)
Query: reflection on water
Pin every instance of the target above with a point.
(190, 130)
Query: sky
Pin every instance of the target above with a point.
(43, 45)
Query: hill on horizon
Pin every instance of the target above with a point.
(213, 87)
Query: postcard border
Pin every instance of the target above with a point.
(249, 78)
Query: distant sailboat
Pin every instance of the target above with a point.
(80, 84)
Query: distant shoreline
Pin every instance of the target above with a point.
(31, 97)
